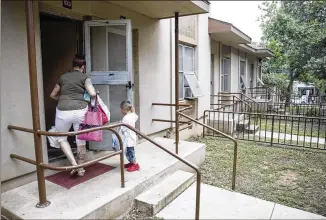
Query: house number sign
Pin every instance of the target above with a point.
(67, 4)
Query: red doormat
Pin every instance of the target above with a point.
(65, 180)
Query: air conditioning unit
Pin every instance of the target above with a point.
(188, 93)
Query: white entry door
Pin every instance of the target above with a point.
(108, 50)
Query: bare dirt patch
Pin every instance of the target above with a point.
(287, 178)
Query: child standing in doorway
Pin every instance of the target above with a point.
(129, 137)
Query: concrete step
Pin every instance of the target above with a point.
(102, 197)
(252, 129)
(159, 196)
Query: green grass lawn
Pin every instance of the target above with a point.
(292, 177)
(298, 128)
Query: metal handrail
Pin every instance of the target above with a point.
(232, 104)
(235, 154)
(110, 127)
(242, 101)
(276, 115)
(188, 107)
(240, 93)
(168, 104)
(74, 133)
(250, 98)
(225, 94)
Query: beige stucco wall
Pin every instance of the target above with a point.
(156, 71)
(0, 96)
(15, 91)
(215, 50)
(204, 60)
(237, 55)
(154, 67)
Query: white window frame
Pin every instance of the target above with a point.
(182, 95)
(223, 74)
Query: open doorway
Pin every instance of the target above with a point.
(61, 39)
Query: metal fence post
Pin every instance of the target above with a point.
(272, 130)
(176, 51)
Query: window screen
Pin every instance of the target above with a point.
(225, 83)
(194, 85)
(226, 68)
(180, 58)
(188, 59)
(187, 67)
(243, 83)
(117, 53)
(242, 68)
(260, 82)
(181, 85)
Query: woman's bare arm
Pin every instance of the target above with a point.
(55, 92)
(90, 88)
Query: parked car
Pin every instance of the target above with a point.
(302, 100)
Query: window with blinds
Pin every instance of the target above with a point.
(188, 83)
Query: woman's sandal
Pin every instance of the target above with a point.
(78, 172)
(81, 171)
(73, 172)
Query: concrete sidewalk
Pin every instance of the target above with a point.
(217, 203)
(293, 137)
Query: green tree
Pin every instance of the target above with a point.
(278, 81)
(295, 31)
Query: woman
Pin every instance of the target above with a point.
(72, 107)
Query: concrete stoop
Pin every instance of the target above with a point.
(102, 197)
(159, 196)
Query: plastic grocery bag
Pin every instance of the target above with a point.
(53, 140)
(115, 142)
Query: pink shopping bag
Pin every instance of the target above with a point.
(93, 119)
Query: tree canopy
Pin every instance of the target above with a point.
(296, 32)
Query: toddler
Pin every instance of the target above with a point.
(129, 137)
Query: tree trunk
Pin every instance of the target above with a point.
(289, 89)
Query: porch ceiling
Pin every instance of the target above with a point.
(226, 32)
(165, 9)
(257, 51)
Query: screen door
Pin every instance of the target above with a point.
(108, 50)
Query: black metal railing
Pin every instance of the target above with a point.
(232, 102)
(274, 129)
(181, 113)
(309, 110)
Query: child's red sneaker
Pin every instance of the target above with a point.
(133, 167)
(128, 165)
